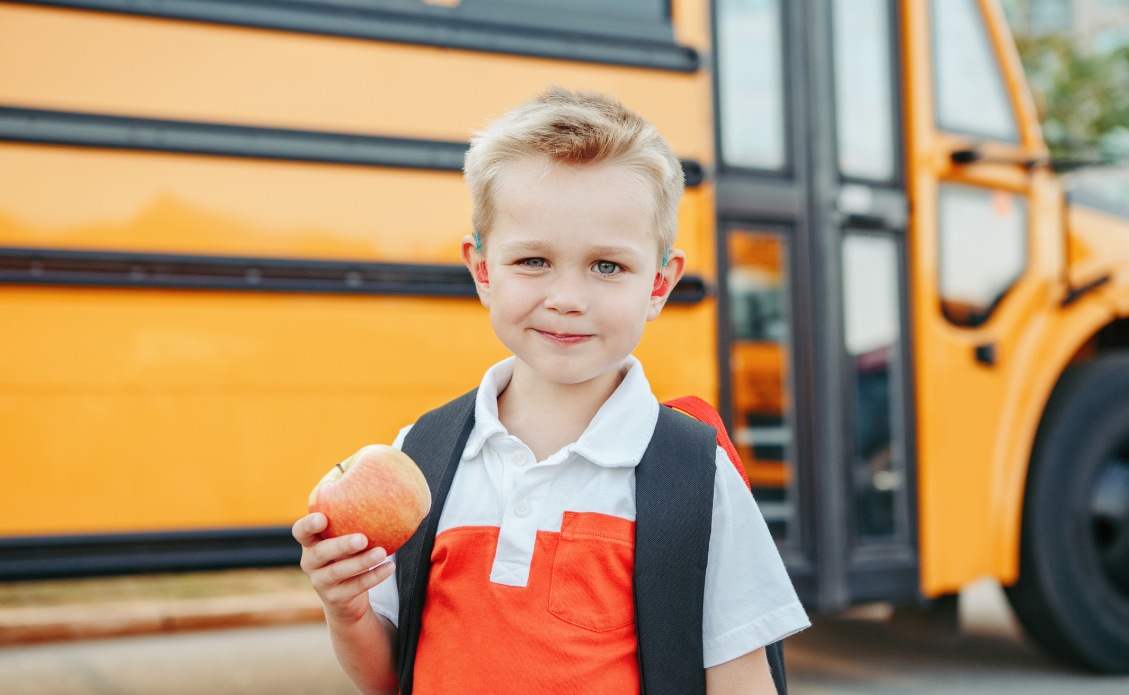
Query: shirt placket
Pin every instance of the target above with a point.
(525, 485)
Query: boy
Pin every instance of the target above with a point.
(528, 586)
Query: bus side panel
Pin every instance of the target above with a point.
(114, 64)
(132, 410)
(96, 199)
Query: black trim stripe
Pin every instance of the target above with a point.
(598, 42)
(185, 137)
(174, 271)
(41, 557)
(188, 137)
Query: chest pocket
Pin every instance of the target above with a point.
(592, 569)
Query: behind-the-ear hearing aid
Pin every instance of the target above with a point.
(482, 275)
(660, 280)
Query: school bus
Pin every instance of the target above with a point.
(229, 258)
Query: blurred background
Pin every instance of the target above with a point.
(229, 258)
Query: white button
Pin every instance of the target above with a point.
(518, 458)
(521, 509)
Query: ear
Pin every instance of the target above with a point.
(476, 264)
(666, 279)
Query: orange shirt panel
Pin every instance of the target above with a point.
(571, 629)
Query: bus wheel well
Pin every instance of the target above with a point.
(1114, 336)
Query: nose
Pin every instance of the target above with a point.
(567, 294)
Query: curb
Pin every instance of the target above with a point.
(19, 626)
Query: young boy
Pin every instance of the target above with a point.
(530, 586)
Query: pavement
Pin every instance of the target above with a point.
(861, 651)
(70, 609)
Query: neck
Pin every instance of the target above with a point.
(547, 415)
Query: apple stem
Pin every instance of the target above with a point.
(342, 468)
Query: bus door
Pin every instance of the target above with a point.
(812, 291)
(979, 196)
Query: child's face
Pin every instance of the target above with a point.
(571, 267)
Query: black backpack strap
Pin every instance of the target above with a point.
(775, 654)
(673, 516)
(436, 444)
(673, 519)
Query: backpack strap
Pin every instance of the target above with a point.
(436, 444)
(673, 515)
(700, 410)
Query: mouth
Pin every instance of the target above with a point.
(564, 338)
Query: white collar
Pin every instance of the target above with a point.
(617, 437)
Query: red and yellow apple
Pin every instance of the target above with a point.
(378, 491)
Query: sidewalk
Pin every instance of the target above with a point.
(71, 609)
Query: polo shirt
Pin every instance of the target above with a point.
(532, 564)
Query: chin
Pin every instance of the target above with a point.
(570, 370)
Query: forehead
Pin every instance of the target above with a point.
(575, 205)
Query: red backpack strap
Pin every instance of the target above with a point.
(700, 410)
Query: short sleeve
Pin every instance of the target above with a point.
(385, 596)
(749, 598)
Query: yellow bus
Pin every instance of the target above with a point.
(229, 258)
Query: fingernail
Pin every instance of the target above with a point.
(378, 555)
(357, 542)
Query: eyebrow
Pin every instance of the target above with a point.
(526, 247)
(614, 251)
(519, 247)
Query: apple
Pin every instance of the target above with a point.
(378, 491)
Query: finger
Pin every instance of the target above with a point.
(356, 586)
(336, 572)
(307, 529)
(327, 551)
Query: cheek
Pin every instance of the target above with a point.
(511, 302)
(630, 308)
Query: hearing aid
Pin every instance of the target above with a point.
(482, 275)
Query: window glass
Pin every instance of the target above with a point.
(983, 237)
(970, 92)
(872, 323)
(1103, 188)
(642, 19)
(750, 83)
(649, 9)
(758, 357)
(863, 97)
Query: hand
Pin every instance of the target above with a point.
(337, 572)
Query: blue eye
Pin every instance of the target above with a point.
(533, 262)
(606, 267)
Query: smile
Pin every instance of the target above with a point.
(563, 338)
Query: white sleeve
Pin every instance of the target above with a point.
(749, 599)
(385, 596)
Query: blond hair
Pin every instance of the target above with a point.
(574, 128)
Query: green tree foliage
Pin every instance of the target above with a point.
(1082, 97)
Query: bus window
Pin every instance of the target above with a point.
(636, 18)
(863, 97)
(750, 84)
(969, 89)
(983, 237)
(757, 287)
(872, 322)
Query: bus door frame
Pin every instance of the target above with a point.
(829, 569)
